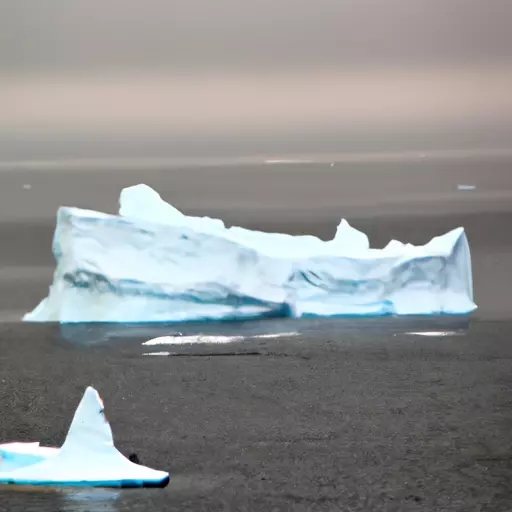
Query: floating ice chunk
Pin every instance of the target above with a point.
(277, 335)
(184, 340)
(87, 457)
(433, 334)
(205, 339)
(155, 264)
(287, 161)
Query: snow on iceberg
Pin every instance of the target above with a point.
(152, 263)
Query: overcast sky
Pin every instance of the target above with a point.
(220, 34)
(457, 97)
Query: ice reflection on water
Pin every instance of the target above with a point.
(32, 499)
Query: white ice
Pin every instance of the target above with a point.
(87, 457)
(206, 339)
(152, 263)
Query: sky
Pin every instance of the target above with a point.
(168, 78)
(177, 35)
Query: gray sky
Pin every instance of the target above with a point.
(180, 34)
(181, 78)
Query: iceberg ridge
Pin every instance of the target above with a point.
(152, 263)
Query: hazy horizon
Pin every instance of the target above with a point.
(183, 78)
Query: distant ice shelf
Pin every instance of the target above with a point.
(152, 263)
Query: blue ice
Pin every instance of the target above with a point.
(152, 263)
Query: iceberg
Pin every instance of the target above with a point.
(88, 456)
(152, 263)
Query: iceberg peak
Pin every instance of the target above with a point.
(88, 456)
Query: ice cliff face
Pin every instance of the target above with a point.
(154, 264)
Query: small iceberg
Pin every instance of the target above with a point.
(152, 263)
(88, 456)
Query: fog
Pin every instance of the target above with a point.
(84, 79)
(188, 34)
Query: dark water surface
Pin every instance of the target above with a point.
(362, 415)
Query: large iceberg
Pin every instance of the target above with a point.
(152, 263)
